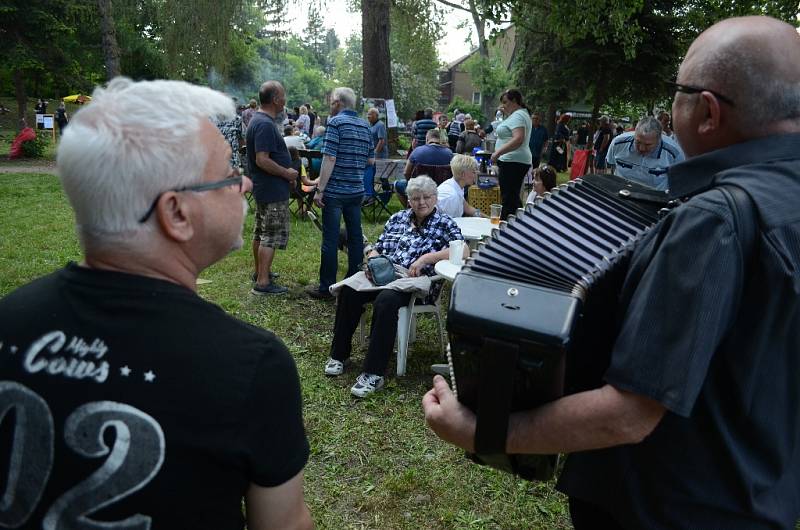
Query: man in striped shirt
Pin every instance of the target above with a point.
(347, 151)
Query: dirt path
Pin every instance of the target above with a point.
(27, 166)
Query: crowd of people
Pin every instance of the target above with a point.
(695, 426)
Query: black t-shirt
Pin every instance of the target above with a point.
(603, 133)
(263, 135)
(171, 406)
(709, 329)
(583, 135)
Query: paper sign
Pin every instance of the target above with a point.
(391, 114)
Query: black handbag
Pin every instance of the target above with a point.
(381, 269)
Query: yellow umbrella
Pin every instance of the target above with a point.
(76, 98)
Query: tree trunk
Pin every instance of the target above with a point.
(377, 65)
(109, 33)
(22, 97)
(487, 100)
(377, 60)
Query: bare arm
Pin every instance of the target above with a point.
(517, 137)
(278, 508)
(273, 168)
(599, 418)
(428, 259)
(469, 211)
(408, 169)
(379, 147)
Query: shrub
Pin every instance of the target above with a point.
(36, 148)
(404, 142)
(466, 108)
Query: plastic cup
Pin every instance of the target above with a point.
(457, 252)
(494, 214)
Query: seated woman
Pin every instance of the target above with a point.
(451, 192)
(416, 238)
(544, 180)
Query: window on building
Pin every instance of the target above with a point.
(476, 98)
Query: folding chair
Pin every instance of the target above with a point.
(407, 325)
(306, 196)
(376, 196)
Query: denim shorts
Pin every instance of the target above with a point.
(272, 224)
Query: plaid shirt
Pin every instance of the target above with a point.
(404, 243)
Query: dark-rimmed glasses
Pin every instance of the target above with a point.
(689, 89)
(208, 186)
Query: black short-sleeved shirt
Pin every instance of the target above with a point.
(263, 135)
(713, 334)
(173, 405)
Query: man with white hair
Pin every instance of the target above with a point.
(698, 422)
(136, 402)
(644, 155)
(380, 143)
(346, 154)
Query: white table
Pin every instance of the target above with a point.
(474, 228)
(447, 270)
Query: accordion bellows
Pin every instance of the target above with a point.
(533, 313)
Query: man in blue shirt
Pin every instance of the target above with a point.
(644, 155)
(380, 143)
(346, 154)
(271, 170)
(421, 128)
(697, 424)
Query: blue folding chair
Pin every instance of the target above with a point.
(376, 195)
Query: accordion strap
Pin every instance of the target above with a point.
(498, 364)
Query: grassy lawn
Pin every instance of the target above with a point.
(374, 464)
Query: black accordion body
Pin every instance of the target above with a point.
(533, 314)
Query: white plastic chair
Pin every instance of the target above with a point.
(407, 325)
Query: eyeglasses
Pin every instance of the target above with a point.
(233, 180)
(689, 89)
(426, 198)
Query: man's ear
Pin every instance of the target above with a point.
(710, 122)
(173, 214)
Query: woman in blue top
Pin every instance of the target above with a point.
(512, 154)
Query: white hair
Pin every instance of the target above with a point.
(346, 96)
(132, 142)
(319, 130)
(421, 184)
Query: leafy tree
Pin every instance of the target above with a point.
(314, 37)
(348, 69)
(33, 35)
(416, 29)
(467, 108)
(331, 45)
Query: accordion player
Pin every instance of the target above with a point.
(532, 314)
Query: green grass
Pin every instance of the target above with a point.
(374, 464)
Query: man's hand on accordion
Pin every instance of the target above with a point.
(447, 417)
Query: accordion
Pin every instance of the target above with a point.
(532, 314)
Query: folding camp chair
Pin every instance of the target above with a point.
(376, 195)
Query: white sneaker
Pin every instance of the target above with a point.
(366, 384)
(334, 367)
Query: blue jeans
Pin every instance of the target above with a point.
(336, 208)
